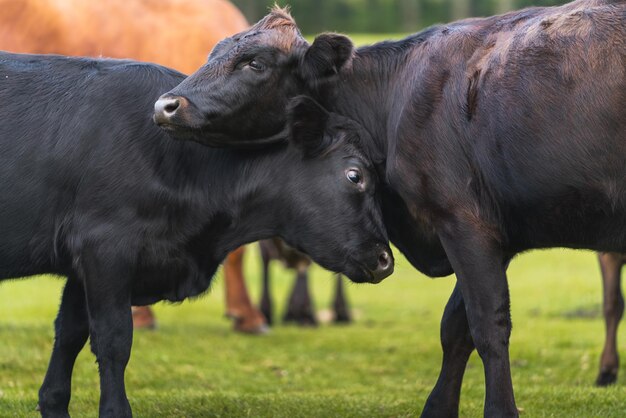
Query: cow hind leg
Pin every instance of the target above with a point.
(457, 345)
(71, 333)
(300, 307)
(340, 303)
(613, 301)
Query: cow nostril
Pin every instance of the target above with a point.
(384, 260)
(167, 107)
(171, 106)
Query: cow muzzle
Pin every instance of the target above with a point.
(169, 110)
(384, 267)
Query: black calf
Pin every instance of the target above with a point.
(93, 190)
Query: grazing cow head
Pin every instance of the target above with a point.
(332, 193)
(238, 98)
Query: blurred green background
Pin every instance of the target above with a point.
(382, 16)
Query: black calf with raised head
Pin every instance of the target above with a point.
(91, 189)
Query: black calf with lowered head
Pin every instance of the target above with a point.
(92, 190)
(500, 135)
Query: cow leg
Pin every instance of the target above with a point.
(457, 345)
(71, 333)
(340, 304)
(480, 267)
(111, 331)
(246, 317)
(300, 307)
(266, 297)
(611, 266)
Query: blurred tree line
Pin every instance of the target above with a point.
(382, 16)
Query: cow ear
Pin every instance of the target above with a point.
(328, 54)
(307, 120)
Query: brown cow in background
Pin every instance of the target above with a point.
(174, 33)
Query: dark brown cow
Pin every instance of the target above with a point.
(495, 136)
(173, 33)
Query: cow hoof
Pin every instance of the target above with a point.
(52, 415)
(306, 319)
(342, 318)
(606, 378)
(258, 329)
(250, 324)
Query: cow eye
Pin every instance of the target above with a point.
(256, 65)
(354, 175)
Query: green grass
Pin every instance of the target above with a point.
(382, 366)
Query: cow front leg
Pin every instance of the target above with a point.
(613, 303)
(108, 291)
(480, 267)
(457, 345)
(71, 333)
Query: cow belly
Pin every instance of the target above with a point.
(25, 249)
(594, 227)
(175, 281)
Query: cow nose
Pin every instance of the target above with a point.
(167, 107)
(385, 266)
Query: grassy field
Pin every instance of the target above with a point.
(382, 366)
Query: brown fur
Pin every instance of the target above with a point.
(277, 18)
(278, 28)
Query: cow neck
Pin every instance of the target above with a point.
(239, 191)
(373, 89)
(259, 198)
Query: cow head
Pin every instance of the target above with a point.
(331, 206)
(238, 98)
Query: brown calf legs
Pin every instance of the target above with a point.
(246, 317)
